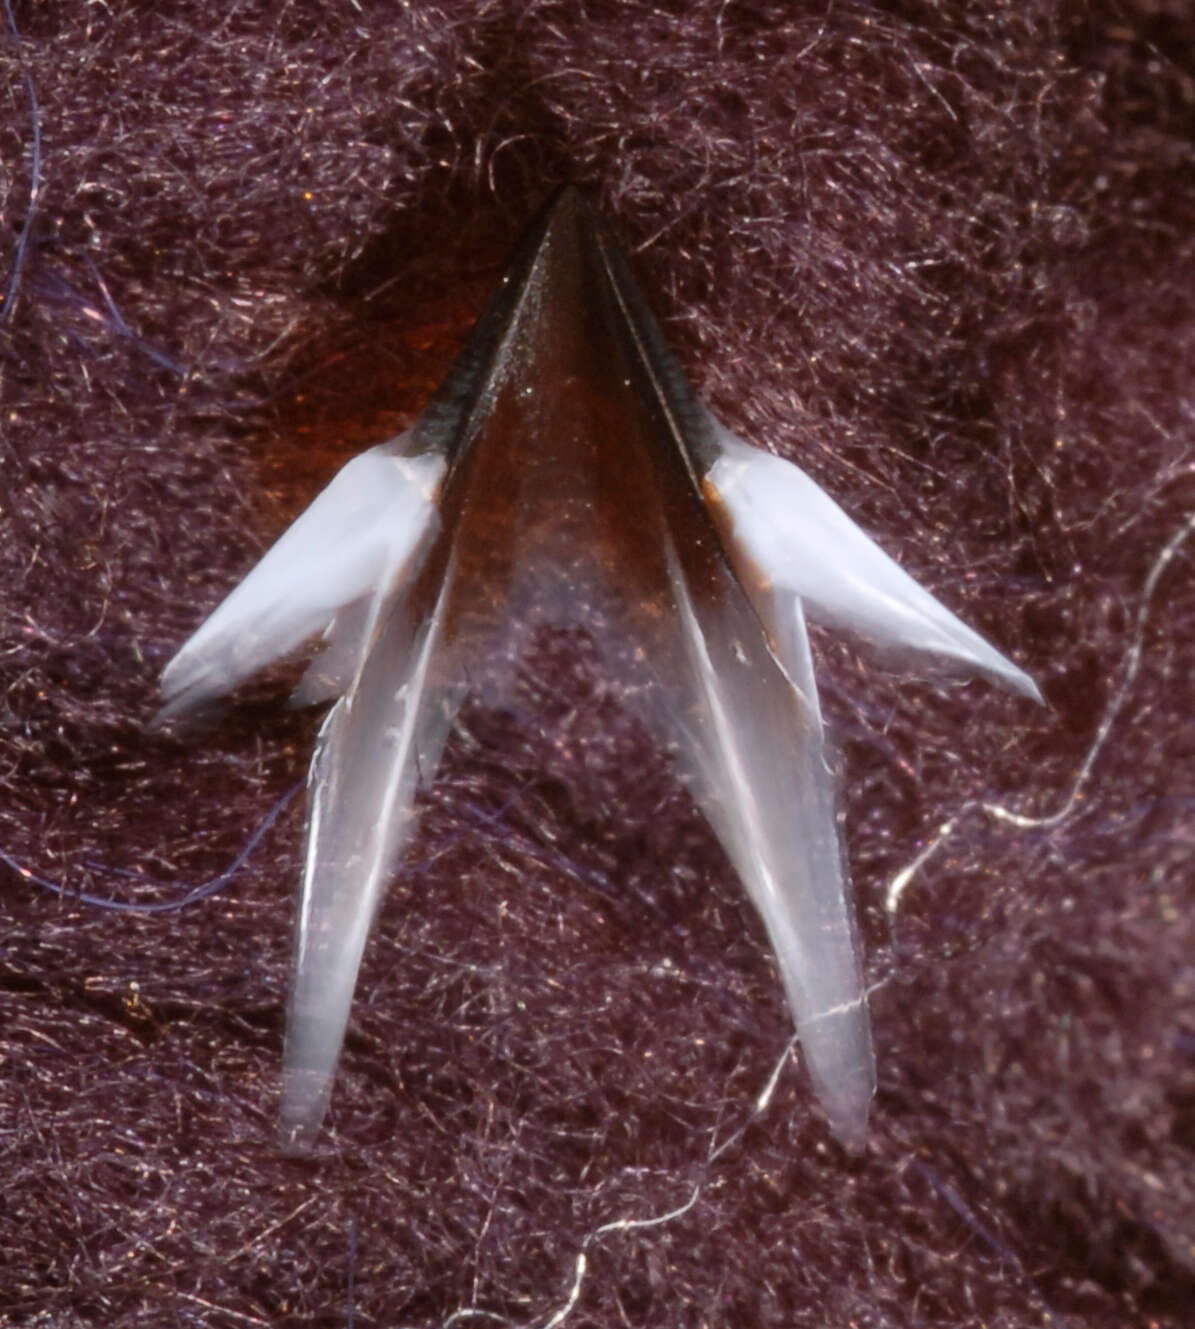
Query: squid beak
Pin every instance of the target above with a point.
(565, 476)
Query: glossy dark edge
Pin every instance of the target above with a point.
(444, 425)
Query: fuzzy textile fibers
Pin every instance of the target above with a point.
(940, 253)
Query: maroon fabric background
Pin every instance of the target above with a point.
(940, 254)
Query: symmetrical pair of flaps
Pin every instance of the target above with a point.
(566, 475)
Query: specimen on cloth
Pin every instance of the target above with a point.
(566, 476)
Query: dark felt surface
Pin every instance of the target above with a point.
(941, 255)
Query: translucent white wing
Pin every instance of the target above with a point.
(378, 743)
(753, 756)
(361, 533)
(789, 536)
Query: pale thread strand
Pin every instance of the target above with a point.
(1023, 821)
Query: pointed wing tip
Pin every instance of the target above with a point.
(849, 1128)
(305, 1097)
(185, 686)
(178, 697)
(845, 1098)
(297, 1139)
(1011, 677)
(1026, 687)
(168, 711)
(840, 1059)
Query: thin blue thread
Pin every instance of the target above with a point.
(35, 168)
(200, 892)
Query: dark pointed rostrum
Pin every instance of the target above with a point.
(572, 476)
